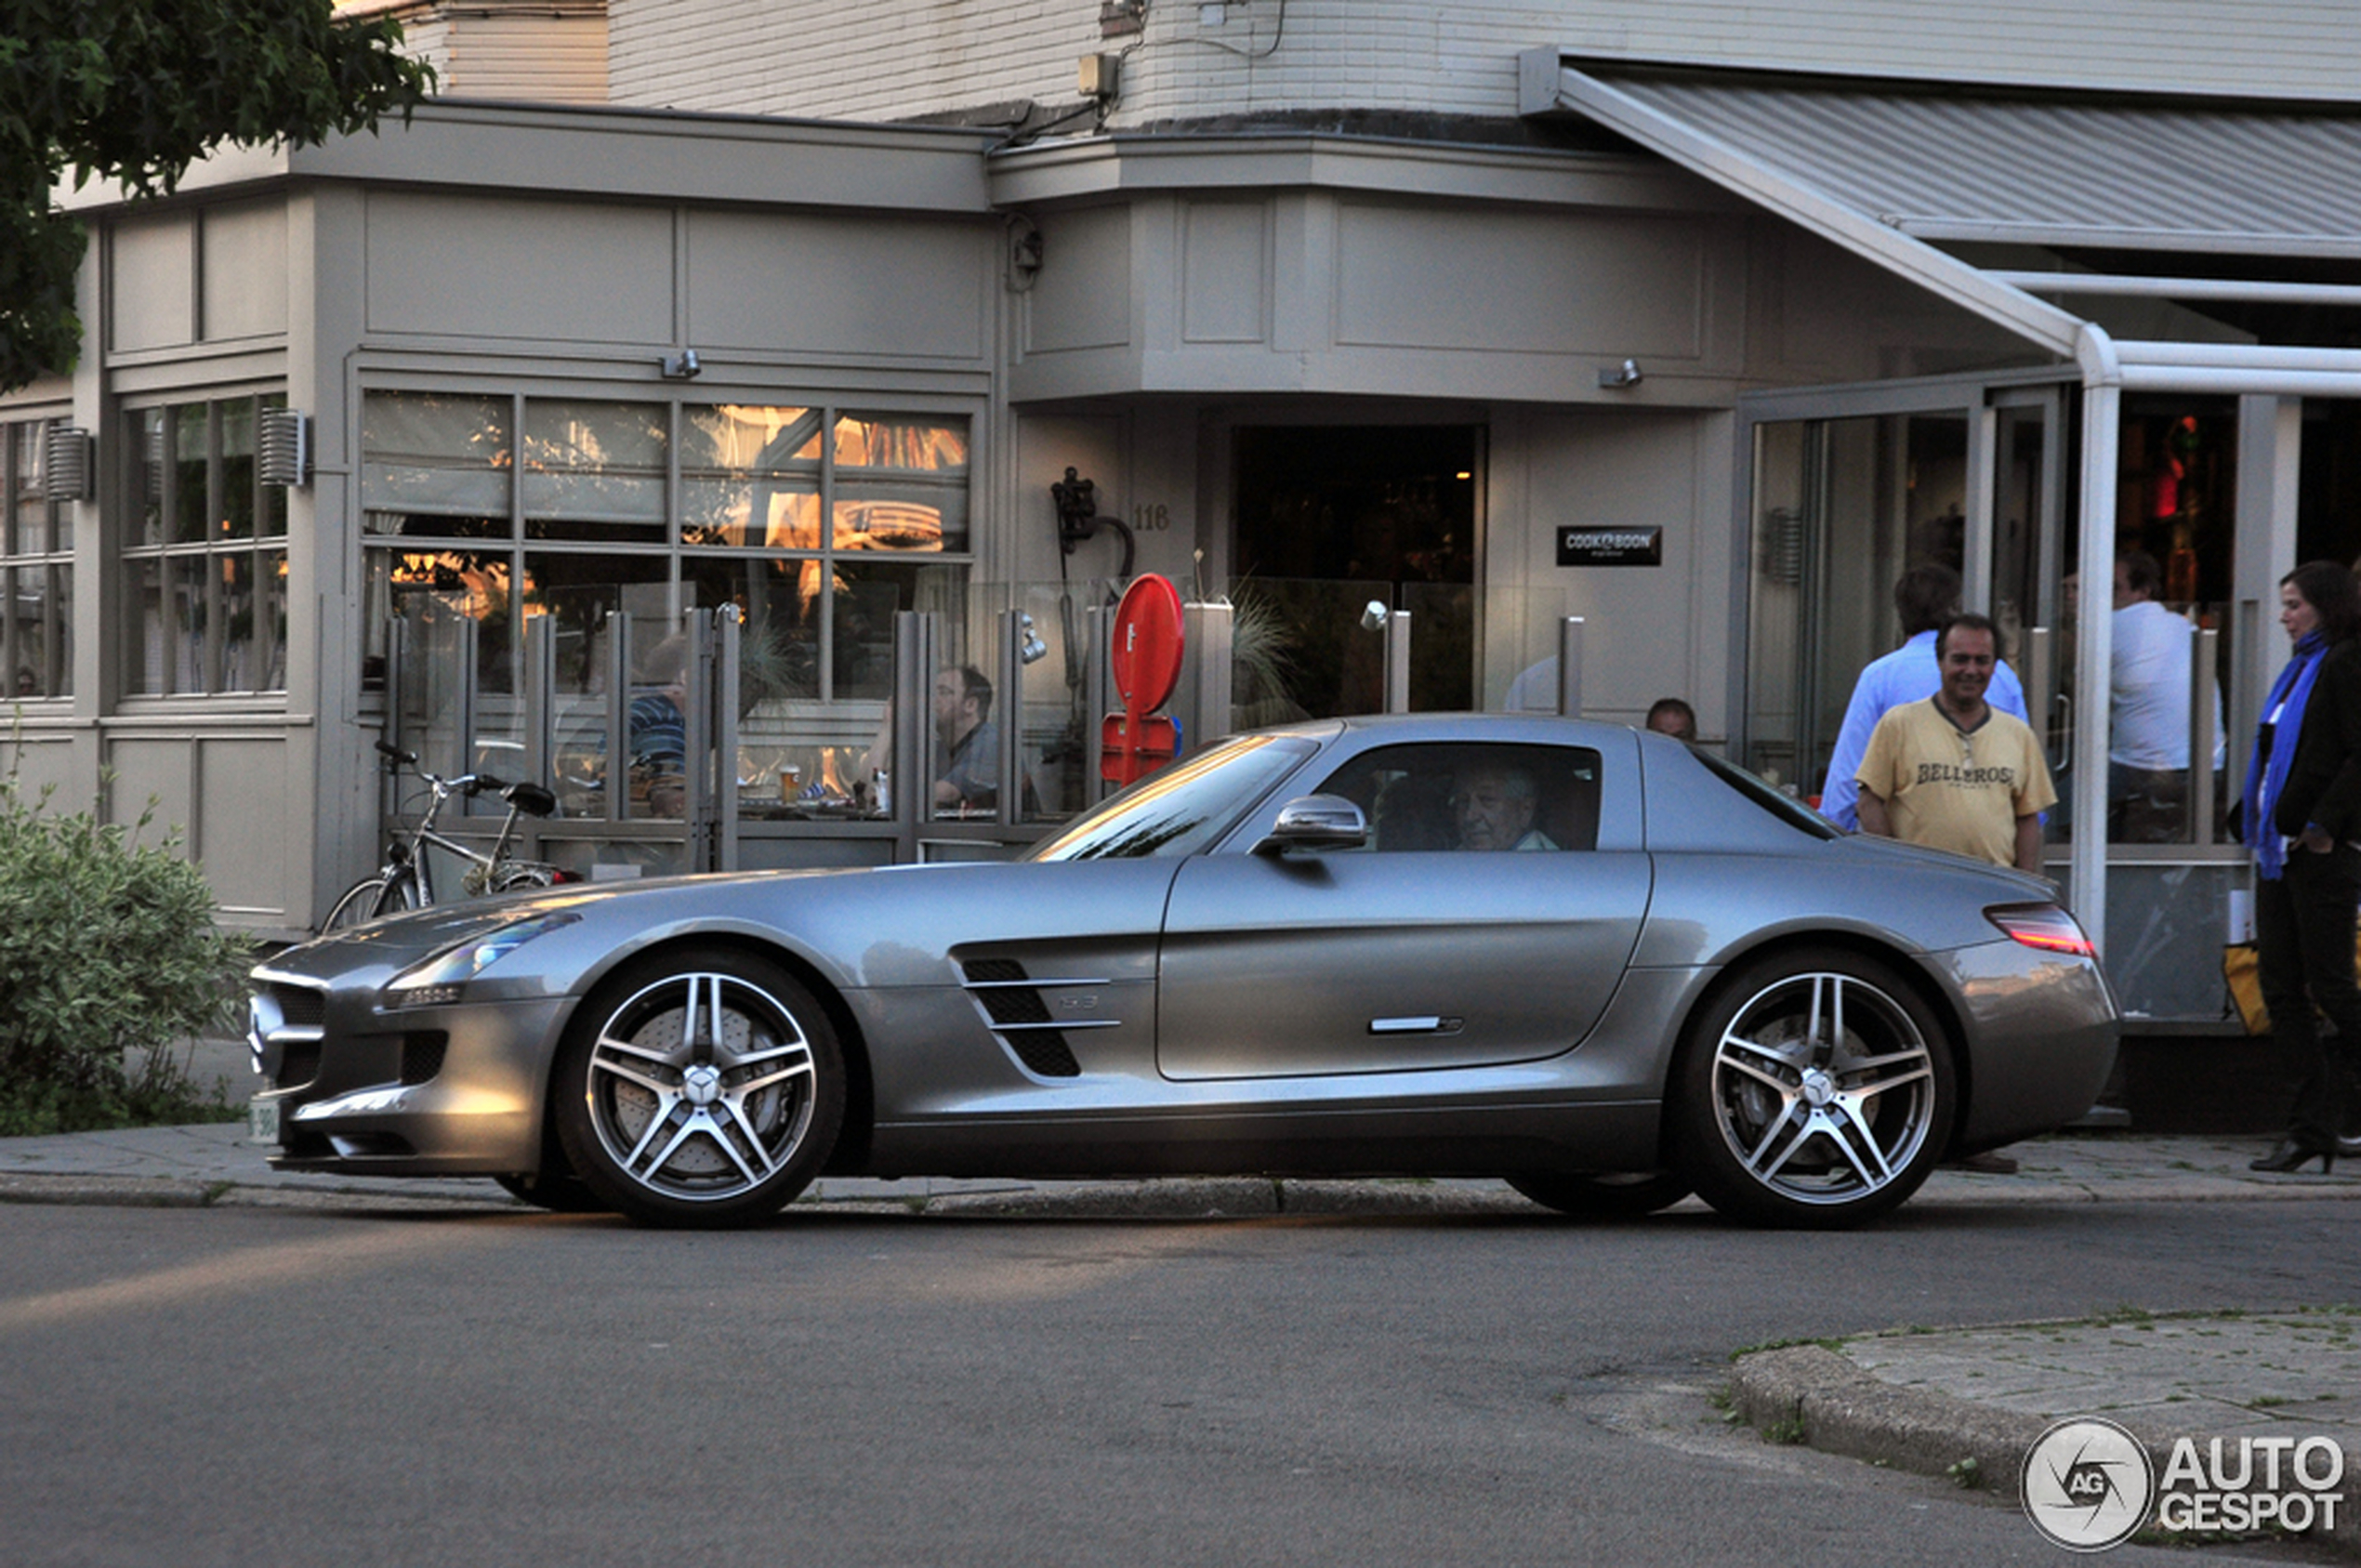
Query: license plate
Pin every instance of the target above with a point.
(262, 1121)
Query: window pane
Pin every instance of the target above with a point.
(36, 608)
(234, 576)
(191, 449)
(271, 518)
(236, 521)
(587, 462)
(432, 451)
(868, 594)
(146, 500)
(779, 648)
(144, 640)
(902, 484)
(30, 527)
(270, 631)
(185, 622)
(750, 476)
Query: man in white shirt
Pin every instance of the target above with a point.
(2149, 710)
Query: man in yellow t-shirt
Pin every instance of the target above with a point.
(1953, 772)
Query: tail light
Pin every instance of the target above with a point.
(2044, 925)
(563, 876)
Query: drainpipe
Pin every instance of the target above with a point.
(2095, 629)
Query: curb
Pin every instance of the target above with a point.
(1828, 1403)
(1811, 1395)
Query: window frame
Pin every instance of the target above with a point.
(56, 557)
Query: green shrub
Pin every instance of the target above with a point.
(106, 946)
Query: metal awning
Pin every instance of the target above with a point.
(1894, 171)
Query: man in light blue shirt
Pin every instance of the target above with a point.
(1925, 597)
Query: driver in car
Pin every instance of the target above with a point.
(1494, 806)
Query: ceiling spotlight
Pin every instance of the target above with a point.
(682, 366)
(1625, 375)
(1032, 649)
(1374, 617)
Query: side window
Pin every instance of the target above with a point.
(1473, 797)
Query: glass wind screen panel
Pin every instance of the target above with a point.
(434, 452)
(237, 510)
(750, 476)
(594, 463)
(191, 446)
(902, 484)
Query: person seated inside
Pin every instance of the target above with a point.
(1671, 715)
(1495, 806)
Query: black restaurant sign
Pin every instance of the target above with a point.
(1610, 547)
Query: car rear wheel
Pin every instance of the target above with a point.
(1816, 1091)
(699, 1088)
(1624, 1195)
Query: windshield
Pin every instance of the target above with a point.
(1780, 804)
(1180, 809)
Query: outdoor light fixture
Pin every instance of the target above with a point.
(283, 447)
(66, 468)
(1625, 375)
(1032, 649)
(682, 366)
(1374, 617)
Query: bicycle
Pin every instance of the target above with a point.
(406, 880)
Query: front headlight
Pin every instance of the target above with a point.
(441, 977)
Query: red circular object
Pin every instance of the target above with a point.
(1148, 642)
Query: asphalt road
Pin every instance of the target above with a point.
(285, 1387)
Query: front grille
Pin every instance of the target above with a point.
(298, 1064)
(300, 1006)
(422, 1052)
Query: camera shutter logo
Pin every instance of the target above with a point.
(2086, 1484)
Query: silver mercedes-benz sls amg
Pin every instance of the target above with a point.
(1598, 964)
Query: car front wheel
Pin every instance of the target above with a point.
(1816, 1090)
(699, 1088)
(1626, 1195)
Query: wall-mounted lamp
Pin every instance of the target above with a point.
(682, 366)
(283, 447)
(1031, 649)
(1373, 617)
(1077, 502)
(1625, 375)
(1024, 253)
(66, 469)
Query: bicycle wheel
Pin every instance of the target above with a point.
(511, 876)
(357, 907)
(399, 894)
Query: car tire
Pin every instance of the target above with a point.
(1625, 1195)
(559, 1191)
(699, 1088)
(1816, 1091)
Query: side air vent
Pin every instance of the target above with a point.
(1014, 1008)
(422, 1054)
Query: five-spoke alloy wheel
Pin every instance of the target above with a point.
(699, 1088)
(1816, 1090)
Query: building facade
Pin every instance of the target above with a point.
(1700, 321)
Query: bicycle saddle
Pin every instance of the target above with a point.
(530, 799)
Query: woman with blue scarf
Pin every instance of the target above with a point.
(2302, 818)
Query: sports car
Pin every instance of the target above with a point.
(1604, 966)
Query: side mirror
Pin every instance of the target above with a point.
(1316, 822)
